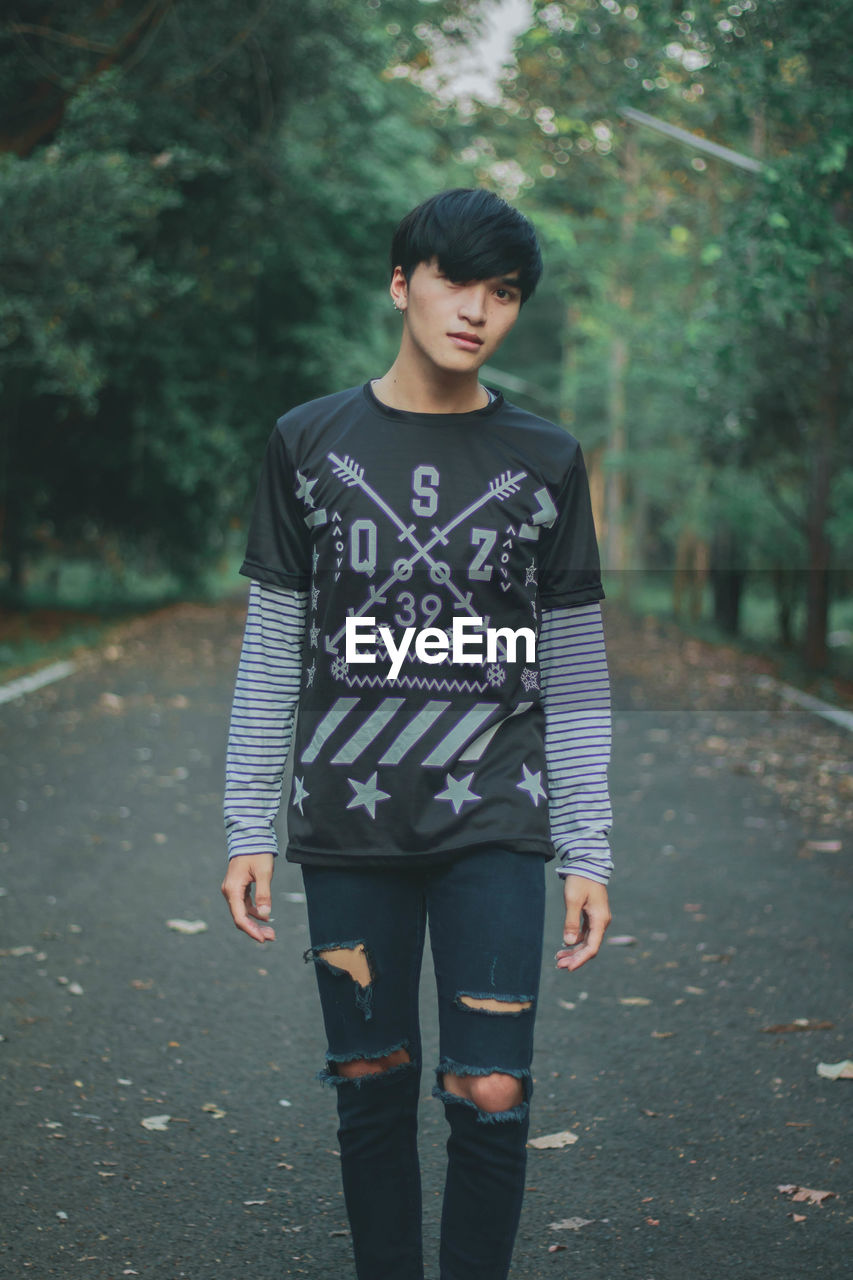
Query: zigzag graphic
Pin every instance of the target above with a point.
(430, 683)
(347, 469)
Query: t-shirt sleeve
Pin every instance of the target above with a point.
(569, 569)
(278, 552)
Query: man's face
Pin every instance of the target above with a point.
(456, 326)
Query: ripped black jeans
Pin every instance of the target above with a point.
(485, 912)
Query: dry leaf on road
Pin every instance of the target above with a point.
(158, 1124)
(836, 1070)
(550, 1141)
(571, 1224)
(805, 1193)
(638, 1000)
(186, 926)
(799, 1024)
(621, 940)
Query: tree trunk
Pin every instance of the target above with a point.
(726, 581)
(820, 550)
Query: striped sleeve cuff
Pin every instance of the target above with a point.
(576, 699)
(265, 698)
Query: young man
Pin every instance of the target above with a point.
(425, 584)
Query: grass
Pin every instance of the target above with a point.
(75, 603)
(650, 593)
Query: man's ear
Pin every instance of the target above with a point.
(399, 289)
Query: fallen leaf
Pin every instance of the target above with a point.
(621, 940)
(638, 1000)
(339, 1233)
(653, 1222)
(693, 906)
(111, 702)
(186, 926)
(62, 1215)
(216, 1112)
(256, 1202)
(695, 991)
(836, 1070)
(798, 1124)
(19, 951)
(798, 1217)
(662, 1035)
(283, 1102)
(142, 984)
(805, 1193)
(556, 1248)
(566, 1004)
(75, 989)
(799, 1024)
(158, 1123)
(293, 897)
(823, 846)
(284, 1165)
(549, 1141)
(646, 1112)
(571, 1224)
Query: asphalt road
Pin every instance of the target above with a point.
(688, 1115)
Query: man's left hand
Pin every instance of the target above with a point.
(587, 918)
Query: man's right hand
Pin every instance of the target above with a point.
(244, 871)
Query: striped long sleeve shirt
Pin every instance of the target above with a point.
(575, 696)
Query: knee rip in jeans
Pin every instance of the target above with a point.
(489, 1003)
(360, 1068)
(492, 1092)
(350, 958)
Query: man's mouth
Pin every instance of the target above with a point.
(466, 341)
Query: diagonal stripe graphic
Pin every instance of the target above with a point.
(459, 734)
(478, 746)
(327, 726)
(413, 732)
(367, 731)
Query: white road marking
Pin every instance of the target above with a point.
(28, 684)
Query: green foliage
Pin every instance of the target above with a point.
(196, 201)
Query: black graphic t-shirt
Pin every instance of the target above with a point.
(415, 521)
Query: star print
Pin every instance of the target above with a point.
(457, 791)
(309, 675)
(530, 573)
(315, 633)
(315, 596)
(305, 487)
(367, 794)
(299, 792)
(532, 784)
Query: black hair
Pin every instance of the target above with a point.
(473, 233)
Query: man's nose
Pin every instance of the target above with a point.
(472, 304)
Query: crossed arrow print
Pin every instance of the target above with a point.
(500, 488)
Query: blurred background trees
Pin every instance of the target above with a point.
(196, 202)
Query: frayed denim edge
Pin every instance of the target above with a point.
(363, 995)
(495, 1013)
(334, 1081)
(484, 1117)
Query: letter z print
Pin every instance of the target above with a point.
(352, 473)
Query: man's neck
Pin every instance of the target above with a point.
(417, 391)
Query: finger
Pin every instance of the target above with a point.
(235, 896)
(574, 957)
(263, 894)
(575, 924)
